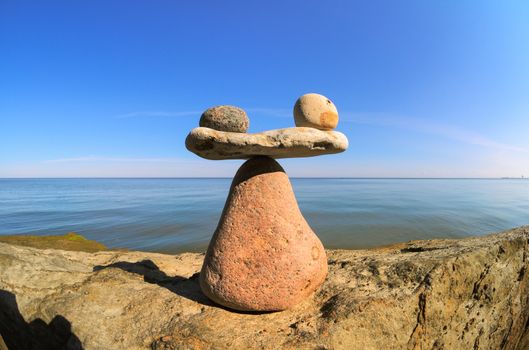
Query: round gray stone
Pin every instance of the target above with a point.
(225, 118)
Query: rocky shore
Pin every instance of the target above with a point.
(437, 294)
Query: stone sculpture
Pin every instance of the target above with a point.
(263, 255)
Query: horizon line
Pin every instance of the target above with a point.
(291, 177)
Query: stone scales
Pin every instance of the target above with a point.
(263, 255)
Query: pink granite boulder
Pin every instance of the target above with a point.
(263, 255)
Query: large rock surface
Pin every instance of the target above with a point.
(263, 255)
(281, 143)
(440, 294)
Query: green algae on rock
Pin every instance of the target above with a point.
(70, 241)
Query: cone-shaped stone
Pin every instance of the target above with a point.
(263, 255)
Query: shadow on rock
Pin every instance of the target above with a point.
(188, 288)
(185, 287)
(19, 334)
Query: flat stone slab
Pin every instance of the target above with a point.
(280, 143)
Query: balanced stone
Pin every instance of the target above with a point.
(263, 255)
(225, 118)
(281, 143)
(315, 111)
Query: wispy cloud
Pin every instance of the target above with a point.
(375, 119)
(432, 128)
(158, 114)
(270, 112)
(102, 166)
(118, 159)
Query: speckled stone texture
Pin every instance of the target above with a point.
(225, 118)
(263, 255)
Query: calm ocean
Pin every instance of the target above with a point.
(175, 215)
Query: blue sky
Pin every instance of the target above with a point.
(111, 88)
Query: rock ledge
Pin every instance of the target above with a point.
(438, 294)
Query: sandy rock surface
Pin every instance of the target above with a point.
(281, 143)
(263, 255)
(438, 294)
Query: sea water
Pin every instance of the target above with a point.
(175, 215)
